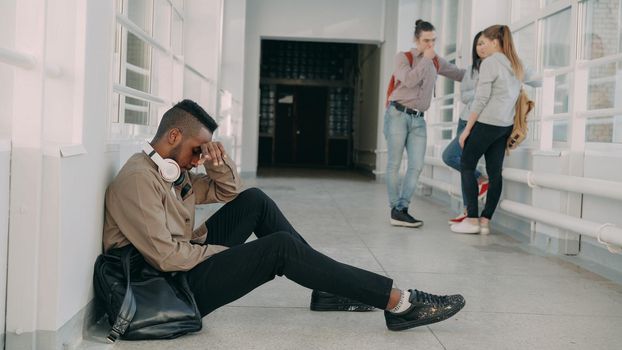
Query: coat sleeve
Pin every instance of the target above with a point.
(221, 184)
(412, 76)
(450, 70)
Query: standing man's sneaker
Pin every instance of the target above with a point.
(323, 301)
(425, 309)
(402, 218)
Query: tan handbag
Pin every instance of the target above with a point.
(519, 132)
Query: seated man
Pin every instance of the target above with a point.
(151, 204)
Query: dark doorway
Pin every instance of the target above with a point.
(300, 128)
(311, 125)
(306, 105)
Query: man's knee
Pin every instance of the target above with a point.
(252, 193)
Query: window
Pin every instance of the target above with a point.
(149, 38)
(601, 40)
(543, 46)
(524, 8)
(446, 21)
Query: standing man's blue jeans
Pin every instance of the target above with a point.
(452, 154)
(401, 130)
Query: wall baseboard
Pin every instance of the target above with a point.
(67, 337)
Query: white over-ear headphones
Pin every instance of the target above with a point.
(169, 169)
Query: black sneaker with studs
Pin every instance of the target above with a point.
(402, 218)
(425, 309)
(323, 301)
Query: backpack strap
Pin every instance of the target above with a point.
(128, 308)
(394, 83)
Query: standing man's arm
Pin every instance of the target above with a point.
(450, 70)
(411, 76)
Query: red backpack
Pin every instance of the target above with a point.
(394, 83)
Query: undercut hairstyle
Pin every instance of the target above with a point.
(186, 116)
(423, 26)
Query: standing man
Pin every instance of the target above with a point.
(404, 124)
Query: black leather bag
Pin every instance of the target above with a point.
(142, 302)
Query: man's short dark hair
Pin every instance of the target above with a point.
(187, 116)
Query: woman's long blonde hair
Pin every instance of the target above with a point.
(504, 35)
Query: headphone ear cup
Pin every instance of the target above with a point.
(169, 170)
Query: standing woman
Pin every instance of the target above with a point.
(490, 124)
(404, 123)
(452, 154)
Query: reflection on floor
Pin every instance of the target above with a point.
(516, 299)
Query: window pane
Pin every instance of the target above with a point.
(602, 88)
(561, 94)
(141, 13)
(138, 52)
(604, 130)
(560, 131)
(524, 8)
(557, 40)
(525, 39)
(446, 134)
(447, 114)
(451, 26)
(136, 111)
(137, 81)
(602, 28)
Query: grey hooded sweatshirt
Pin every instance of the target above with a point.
(497, 91)
(469, 83)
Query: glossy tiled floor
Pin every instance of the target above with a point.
(516, 298)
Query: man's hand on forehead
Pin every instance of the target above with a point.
(213, 152)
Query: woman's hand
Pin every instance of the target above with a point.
(463, 137)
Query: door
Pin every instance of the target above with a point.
(311, 125)
(300, 126)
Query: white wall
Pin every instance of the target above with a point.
(83, 179)
(358, 21)
(58, 173)
(231, 79)
(5, 164)
(366, 128)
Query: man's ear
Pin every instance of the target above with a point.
(174, 136)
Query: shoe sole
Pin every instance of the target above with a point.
(405, 224)
(418, 323)
(341, 307)
(468, 232)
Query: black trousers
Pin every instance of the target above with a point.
(489, 141)
(278, 251)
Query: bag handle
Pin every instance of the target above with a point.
(128, 308)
